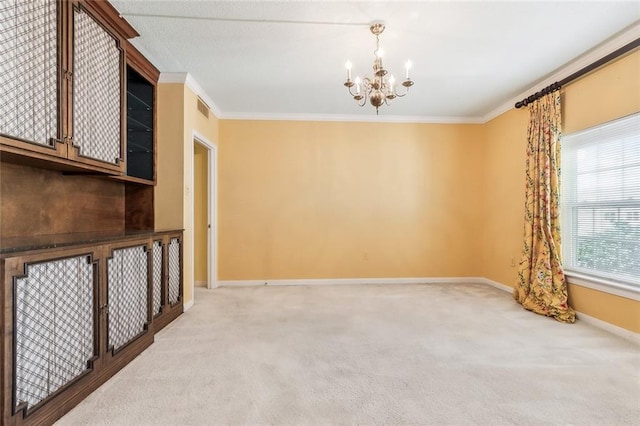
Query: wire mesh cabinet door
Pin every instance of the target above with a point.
(54, 335)
(127, 295)
(157, 277)
(98, 92)
(174, 254)
(30, 70)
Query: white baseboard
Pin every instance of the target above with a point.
(614, 329)
(348, 281)
(240, 283)
(187, 306)
(498, 285)
(603, 325)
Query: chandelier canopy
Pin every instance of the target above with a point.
(381, 88)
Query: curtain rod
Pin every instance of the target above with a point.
(597, 64)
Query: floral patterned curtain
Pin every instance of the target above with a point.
(541, 286)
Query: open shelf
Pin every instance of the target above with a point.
(134, 125)
(135, 103)
(140, 134)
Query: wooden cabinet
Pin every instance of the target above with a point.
(97, 93)
(127, 294)
(85, 281)
(49, 327)
(32, 72)
(64, 66)
(73, 316)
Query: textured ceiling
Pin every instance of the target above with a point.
(270, 58)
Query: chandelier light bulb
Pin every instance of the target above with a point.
(379, 53)
(407, 67)
(357, 85)
(348, 67)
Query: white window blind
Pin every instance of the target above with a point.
(600, 204)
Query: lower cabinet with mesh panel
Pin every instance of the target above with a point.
(167, 284)
(127, 295)
(49, 328)
(73, 316)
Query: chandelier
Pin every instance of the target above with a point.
(381, 88)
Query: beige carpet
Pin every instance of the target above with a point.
(370, 355)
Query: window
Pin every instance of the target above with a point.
(600, 204)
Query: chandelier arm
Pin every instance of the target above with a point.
(398, 94)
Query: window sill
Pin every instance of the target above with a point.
(600, 284)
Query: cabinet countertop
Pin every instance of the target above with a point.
(9, 247)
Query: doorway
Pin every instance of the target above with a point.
(204, 213)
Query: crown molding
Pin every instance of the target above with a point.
(173, 77)
(188, 80)
(198, 90)
(623, 38)
(353, 118)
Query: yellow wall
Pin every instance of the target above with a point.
(505, 140)
(178, 118)
(609, 93)
(169, 157)
(200, 186)
(345, 200)
(607, 307)
(207, 127)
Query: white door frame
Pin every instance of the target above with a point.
(212, 203)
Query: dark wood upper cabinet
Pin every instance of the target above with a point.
(32, 72)
(67, 82)
(97, 92)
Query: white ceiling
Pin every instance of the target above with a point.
(264, 58)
